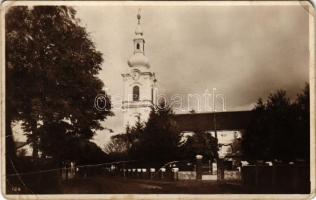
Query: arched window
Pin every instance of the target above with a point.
(136, 93)
(137, 46)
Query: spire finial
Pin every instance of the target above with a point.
(138, 16)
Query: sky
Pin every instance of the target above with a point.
(245, 52)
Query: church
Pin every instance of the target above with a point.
(140, 94)
(139, 82)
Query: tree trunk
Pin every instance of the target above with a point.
(10, 153)
(35, 139)
(9, 144)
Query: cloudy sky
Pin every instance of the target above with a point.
(245, 52)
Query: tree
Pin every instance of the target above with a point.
(201, 143)
(279, 129)
(256, 142)
(119, 147)
(89, 153)
(236, 147)
(159, 140)
(51, 69)
(302, 131)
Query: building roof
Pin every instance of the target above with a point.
(236, 120)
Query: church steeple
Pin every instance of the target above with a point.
(138, 17)
(139, 82)
(139, 41)
(138, 59)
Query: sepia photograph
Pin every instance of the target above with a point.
(127, 98)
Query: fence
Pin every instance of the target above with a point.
(141, 173)
(255, 179)
(43, 177)
(276, 179)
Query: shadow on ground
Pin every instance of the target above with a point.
(111, 185)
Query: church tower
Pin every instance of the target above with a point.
(139, 83)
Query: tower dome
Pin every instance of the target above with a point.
(138, 59)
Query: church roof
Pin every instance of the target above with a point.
(236, 120)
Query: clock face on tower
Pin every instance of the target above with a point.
(135, 75)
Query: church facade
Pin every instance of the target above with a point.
(139, 83)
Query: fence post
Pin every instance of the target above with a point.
(295, 177)
(175, 173)
(133, 172)
(256, 176)
(273, 176)
(199, 167)
(144, 170)
(163, 170)
(152, 171)
(139, 171)
(124, 170)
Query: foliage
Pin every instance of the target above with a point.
(88, 153)
(279, 129)
(161, 138)
(51, 83)
(236, 147)
(118, 147)
(302, 117)
(152, 143)
(134, 135)
(201, 143)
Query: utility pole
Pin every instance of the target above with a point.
(217, 158)
(214, 122)
(214, 110)
(218, 161)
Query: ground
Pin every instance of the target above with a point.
(115, 185)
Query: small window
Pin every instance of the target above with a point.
(136, 93)
(137, 46)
